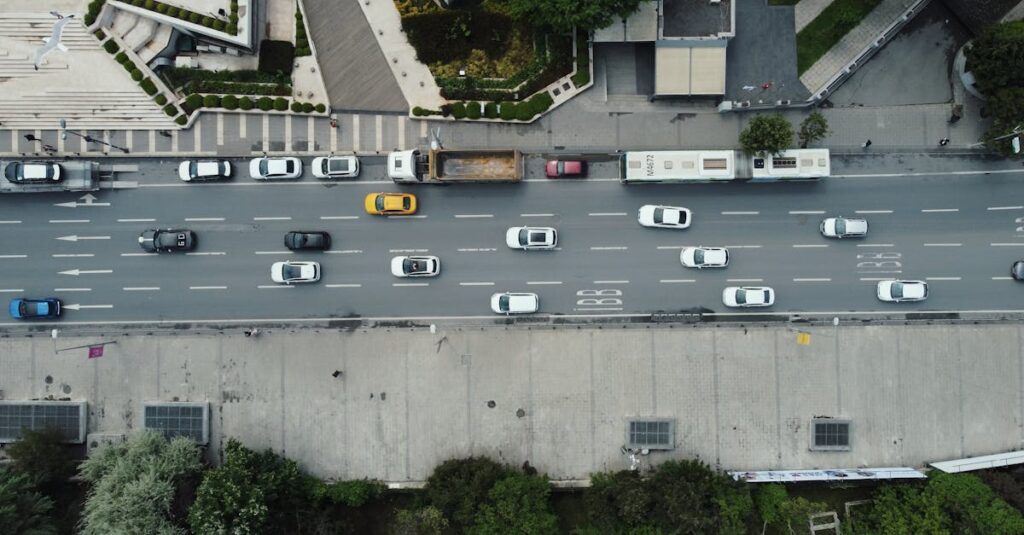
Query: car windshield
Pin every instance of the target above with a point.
(698, 256)
(12, 170)
(503, 302)
(289, 166)
(24, 308)
(659, 215)
(840, 226)
(264, 167)
(380, 203)
(193, 168)
(524, 236)
(406, 202)
(326, 167)
(741, 296)
(291, 272)
(561, 168)
(897, 289)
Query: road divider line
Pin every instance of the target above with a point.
(272, 218)
(606, 214)
(72, 289)
(812, 245)
(141, 288)
(536, 283)
(598, 309)
(78, 307)
(806, 212)
(77, 272)
(344, 285)
(476, 284)
(875, 245)
(69, 221)
(13, 256)
(742, 246)
(477, 250)
(209, 253)
(406, 217)
(873, 212)
(1007, 244)
(611, 282)
(200, 219)
(671, 246)
(12, 290)
(876, 279)
(938, 210)
(741, 213)
(136, 220)
(137, 254)
(207, 287)
(260, 183)
(345, 251)
(274, 286)
(536, 215)
(943, 244)
(609, 248)
(942, 278)
(473, 216)
(1002, 278)
(1005, 208)
(676, 281)
(273, 252)
(744, 280)
(12, 222)
(329, 217)
(410, 284)
(813, 280)
(408, 250)
(74, 255)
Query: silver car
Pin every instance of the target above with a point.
(194, 170)
(275, 168)
(748, 296)
(842, 227)
(900, 291)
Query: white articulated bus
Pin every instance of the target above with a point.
(701, 166)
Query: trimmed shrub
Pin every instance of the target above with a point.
(148, 86)
(280, 104)
(581, 78)
(170, 110)
(161, 8)
(229, 102)
(211, 101)
(194, 18)
(446, 110)
(160, 100)
(111, 47)
(181, 119)
(418, 111)
(508, 111)
(265, 103)
(524, 111)
(89, 19)
(320, 108)
(277, 56)
(194, 101)
(307, 107)
(137, 3)
(296, 107)
(121, 58)
(100, 35)
(136, 75)
(173, 11)
(207, 21)
(459, 110)
(541, 102)
(149, 4)
(491, 110)
(233, 28)
(245, 103)
(218, 25)
(473, 110)
(128, 66)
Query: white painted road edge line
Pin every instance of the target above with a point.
(137, 254)
(740, 213)
(74, 255)
(942, 278)
(543, 282)
(141, 288)
(611, 248)
(72, 289)
(13, 256)
(611, 282)
(536, 215)
(806, 212)
(943, 244)
(406, 217)
(807, 246)
(671, 246)
(606, 214)
(742, 246)
(273, 252)
(136, 220)
(339, 217)
(473, 216)
(1005, 207)
(1010, 244)
(69, 221)
(211, 253)
(270, 286)
(408, 250)
(344, 285)
(812, 280)
(204, 219)
(876, 279)
(744, 280)
(271, 218)
(873, 212)
(1002, 278)
(12, 290)
(9, 222)
(207, 287)
(875, 245)
(477, 250)
(345, 251)
(476, 284)
(676, 281)
(410, 284)
(937, 210)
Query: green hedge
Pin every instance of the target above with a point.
(473, 110)
(459, 110)
(320, 108)
(265, 103)
(281, 104)
(170, 110)
(136, 75)
(451, 35)
(245, 103)
(111, 47)
(229, 102)
(524, 111)
(121, 58)
(277, 56)
(211, 86)
(296, 107)
(148, 86)
(308, 107)
(508, 111)
(160, 100)
(491, 110)
(211, 101)
(301, 41)
(100, 35)
(181, 119)
(194, 101)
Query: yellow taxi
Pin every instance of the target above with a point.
(390, 204)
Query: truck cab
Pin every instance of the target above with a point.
(407, 166)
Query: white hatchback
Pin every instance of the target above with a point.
(841, 227)
(191, 170)
(748, 296)
(531, 238)
(664, 216)
(515, 303)
(273, 168)
(896, 291)
(704, 257)
(415, 266)
(295, 272)
(335, 167)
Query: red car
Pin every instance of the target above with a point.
(566, 168)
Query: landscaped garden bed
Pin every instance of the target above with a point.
(831, 25)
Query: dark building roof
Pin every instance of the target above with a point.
(980, 14)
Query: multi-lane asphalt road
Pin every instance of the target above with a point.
(958, 229)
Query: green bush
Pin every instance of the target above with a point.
(277, 56)
(265, 103)
(581, 78)
(508, 111)
(161, 8)
(229, 102)
(525, 112)
(128, 66)
(89, 19)
(111, 47)
(473, 110)
(138, 3)
(170, 110)
(181, 119)
(459, 110)
(208, 22)
(418, 111)
(194, 101)
(541, 102)
(194, 18)
(491, 110)
(233, 28)
(121, 58)
(183, 14)
(451, 35)
(307, 107)
(218, 25)
(148, 86)
(100, 35)
(245, 103)
(149, 4)
(280, 104)
(211, 101)
(136, 75)
(320, 108)
(296, 107)
(172, 12)
(160, 100)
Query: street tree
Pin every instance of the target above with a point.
(767, 134)
(813, 128)
(459, 486)
(23, 509)
(518, 504)
(423, 521)
(133, 485)
(564, 14)
(43, 456)
(996, 59)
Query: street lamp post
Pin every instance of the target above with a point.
(88, 139)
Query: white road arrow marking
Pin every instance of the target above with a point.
(76, 238)
(89, 200)
(79, 307)
(77, 272)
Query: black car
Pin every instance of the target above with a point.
(167, 240)
(307, 239)
(1017, 270)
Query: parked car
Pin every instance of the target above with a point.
(295, 272)
(415, 266)
(195, 170)
(842, 227)
(390, 204)
(664, 216)
(26, 309)
(566, 168)
(167, 240)
(32, 172)
(275, 168)
(515, 303)
(704, 257)
(748, 296)
(335, 167)
(1017, 270)
(531, 238)
(900, 291)
(307, 239)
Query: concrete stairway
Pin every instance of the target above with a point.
(33, 27)
(85, 109)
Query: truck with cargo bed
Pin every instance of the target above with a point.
(23, 176)
(443, 166)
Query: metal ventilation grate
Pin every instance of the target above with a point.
(651, 434)
(830, 435)
(178, 419)
(66, 416)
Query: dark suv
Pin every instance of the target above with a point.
(307, 239)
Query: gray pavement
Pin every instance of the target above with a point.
(741, 397)
(763, 51)
(955, 222)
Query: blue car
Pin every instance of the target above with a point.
(27, 309)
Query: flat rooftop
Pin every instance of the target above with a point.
(696, 18)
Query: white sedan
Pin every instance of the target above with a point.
(515, 303)
(664, 216)
(192, 170)
(335, 167)
(704, 257)
(531, 238)
(415, 266)
(841, 227)
(748, 296)
(272, 168)
(895, 291)
(295, 272)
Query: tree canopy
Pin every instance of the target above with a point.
(517, 505)
(564, 14)
(997, 61)
(458, 486)
(813, 128)
(767, 134)
(23, 509)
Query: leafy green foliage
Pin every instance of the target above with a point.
(245, 103)
(458, 486)
(767, 134)
(997, 61)
(252, 492)
(276, 57)
(281, 104)
(473, 110)
(320, 108)
(111, 46)
(265, 103)
(452, 35)
(148, 86)
(354, 493)
(211, 101)
(423, 521)
(520, 504)
(834, 22)
(562, 15)
(508, 111)
(459, 110)
(301, 41)
(813, 128)
(296, 106)
(43, 456)
(491, 110)
(134, 484)
(160, 100)
(229, 102)
(170, 110)
(23, 510)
